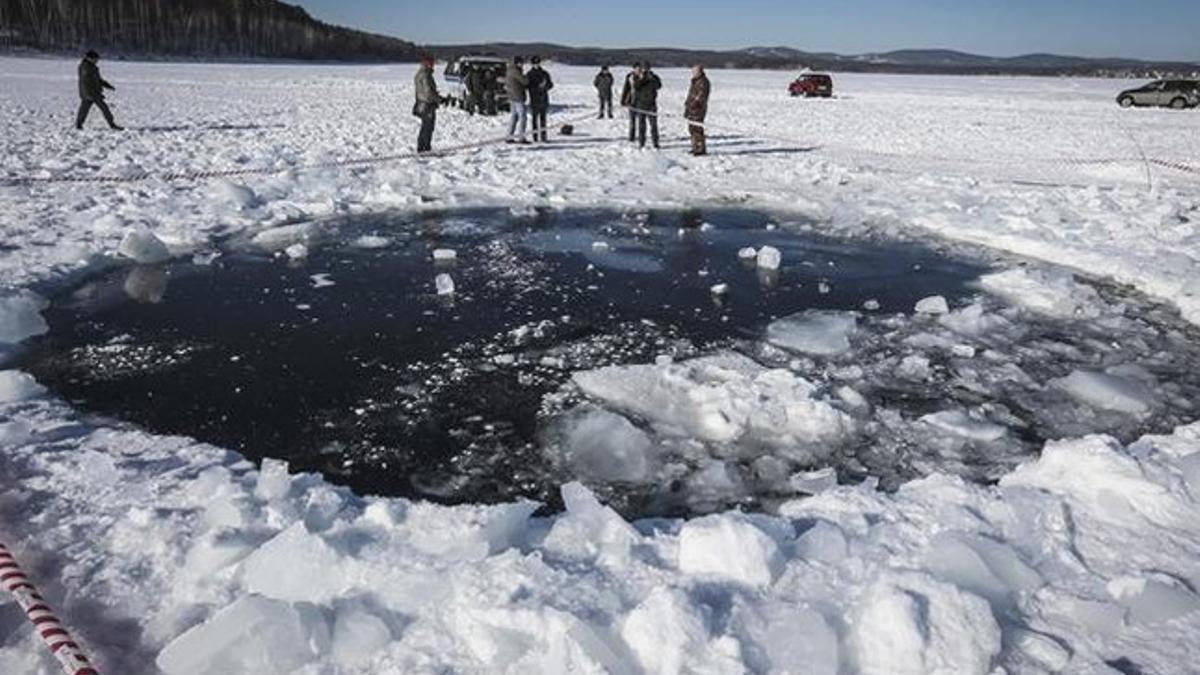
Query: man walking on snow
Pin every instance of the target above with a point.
(426, 104)
(516, 84)
(91, 92)
(540, 85)
(604, 85)
(645, 101)
(695, 109)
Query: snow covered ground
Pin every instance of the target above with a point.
(166, 554)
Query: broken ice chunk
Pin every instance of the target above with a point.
(445, 255)
(959, 423)
(748, 254)
(296, 251)
(816, 332)
(445, 284)
(935, 305)
(720, 289)
(142, 246)
(1106, 392)
(769, 258)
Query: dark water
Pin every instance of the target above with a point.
(384, 386)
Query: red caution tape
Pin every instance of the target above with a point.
(44, 620)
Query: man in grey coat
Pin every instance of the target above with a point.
(516, 83)
(91, 92)
(426, 104)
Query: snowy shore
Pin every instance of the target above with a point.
(164, 554)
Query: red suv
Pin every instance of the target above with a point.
(809, 85)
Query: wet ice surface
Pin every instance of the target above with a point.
(486, 355)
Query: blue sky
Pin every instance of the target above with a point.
(1156, 29)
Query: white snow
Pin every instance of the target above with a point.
(152, 547)
(816, 332)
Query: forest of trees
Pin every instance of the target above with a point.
(190, 28)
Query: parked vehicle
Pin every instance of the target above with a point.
(1177, 94)
(809, 85)
(456, 78)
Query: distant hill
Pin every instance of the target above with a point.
(268, 29)
(934, 61)
(224, 29)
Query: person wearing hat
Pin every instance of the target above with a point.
(516, 84)
(540, 85)
(426, 104)
(695, 109)
(91, 92)
(603, 83)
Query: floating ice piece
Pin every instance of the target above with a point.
(823, 288)
(748, 254)
(1106, 392)
(721, 398)
(914, 367)
(769, 258)
(814, 482)
(273, 480)
(142, 246)
(959, 423)
(252, 635)
(705, 545)
(17, 386)
(1052, 293)
(445, 255)
(720, 289)
(322, 280)
(370, 241)
(934, 305)
(604, 446)
(816, 332)
(871, 305)
(600, 246)
(296, 251)
(21, 317)
(444, 283)
(278, 238)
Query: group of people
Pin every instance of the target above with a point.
(529, 99)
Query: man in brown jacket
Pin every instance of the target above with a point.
(695, 109)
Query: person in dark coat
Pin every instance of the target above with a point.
(645, 104)
(91, 92)
(489, 80)
(540, 85)
(627, 99)
(426, 104)
(604, 86)
(473, 96)
(695, 109)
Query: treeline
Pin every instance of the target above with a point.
(191, 28)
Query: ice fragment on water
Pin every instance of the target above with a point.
(445, 284)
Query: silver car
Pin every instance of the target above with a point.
(1176, 94)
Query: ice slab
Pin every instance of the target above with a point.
(1046, 292)
(17, 386)
(444, 284)
(705, 545)
(252, 635)
(21, 317)
(816, 332)
(605, 446)
(769, 258)
(960, 423)
(142, 246)
(1106, 392)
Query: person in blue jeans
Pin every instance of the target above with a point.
(516, 83)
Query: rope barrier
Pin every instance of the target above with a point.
(449, 150)
(268, 171)
(44, 620)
